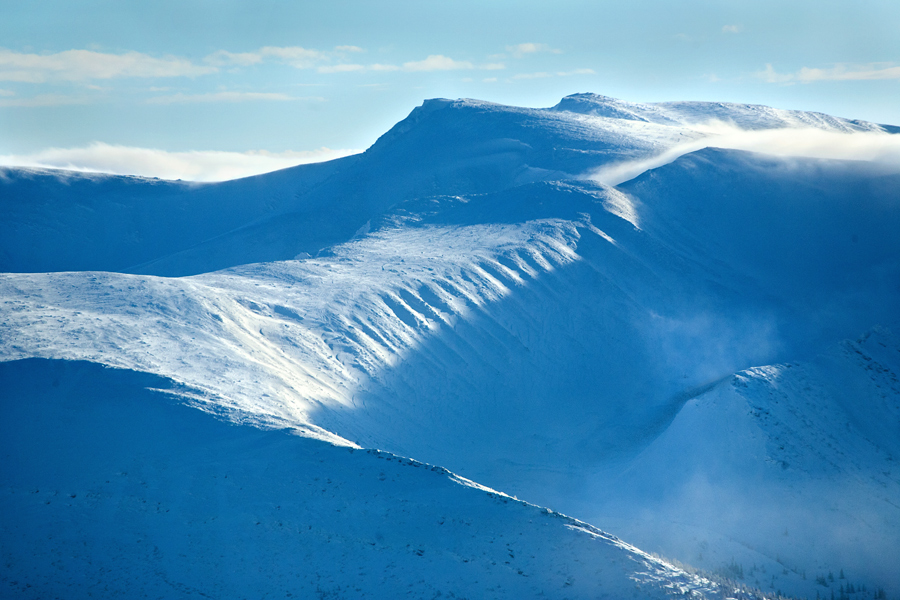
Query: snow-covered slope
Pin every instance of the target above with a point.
(687, 114)
(539, 334)
(777, 459)
(120, 491)
(69, 221)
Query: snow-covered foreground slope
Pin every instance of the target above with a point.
(547, 336)
(120, 491)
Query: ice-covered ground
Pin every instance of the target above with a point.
(462, 295)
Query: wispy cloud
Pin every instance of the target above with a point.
(538, 75)
(83, 65)
(341, 68)
(42, 100)
(7, 93)
(295, 56)
(86, 65)
(300, 58)
(147, 162)
(224, 58)
(521, 50)
(181, 98)
(437, 62)
(544, 74)
(434, 62)
(840, 72)
(576, 72)
(332, 62)
(731, 28)
(382, 67)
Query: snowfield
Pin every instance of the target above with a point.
(676, 359)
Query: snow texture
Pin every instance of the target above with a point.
(123, 492)
(461, 293)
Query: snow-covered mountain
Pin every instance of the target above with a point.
(464, 294)
(55, 220)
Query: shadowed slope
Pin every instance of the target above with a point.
(107, 488)
(773, 462)
(68, 221)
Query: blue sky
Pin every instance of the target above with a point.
(299, 80)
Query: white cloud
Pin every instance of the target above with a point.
(301, 58)
(545, 74)
(329, 62)
(85, 65)
(840, 72)
(539, 75)
(7, 93)
(434, 62)
(147, 162)
(324, 62)
(437, 62)
(883, 148)
(770, 75)
(224, 58)
(43, 100)
(295, 56)
(520, 50)
(576, 72)
(180, 98)
(731, 29)
(341, 68)
(82, 65)
(380, 67)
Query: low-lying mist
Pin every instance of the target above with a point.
(192, 165)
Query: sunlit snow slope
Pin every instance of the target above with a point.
(463, 296)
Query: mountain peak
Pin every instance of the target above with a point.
(597, 105)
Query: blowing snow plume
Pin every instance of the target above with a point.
(881, 148)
